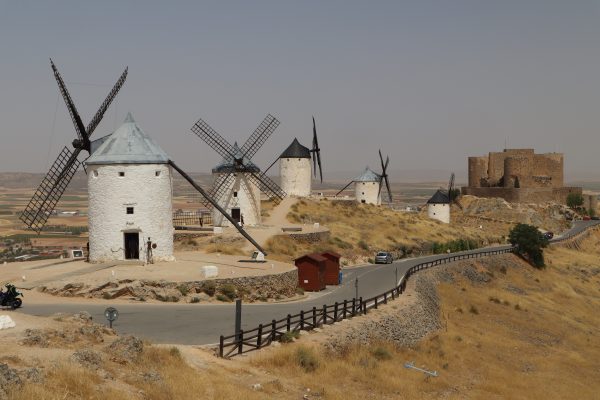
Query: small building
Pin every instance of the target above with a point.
(366, 187)
(130, 198)
(438, 207)
(295, 170)
(332, 267)
(311, 272)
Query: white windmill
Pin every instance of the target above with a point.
(368, 185)
(438, 206)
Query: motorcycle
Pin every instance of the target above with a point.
(10, 298)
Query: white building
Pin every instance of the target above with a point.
(130, 191)
(236, 193)
(438, 207)
(295, 170)
(366, 187)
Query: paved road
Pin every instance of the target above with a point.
(203, 324)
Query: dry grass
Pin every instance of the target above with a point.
(359, 230)
(539, 345)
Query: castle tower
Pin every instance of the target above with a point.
(130, 190)
(295, 170)
(240, 195)
(366, 187)
(438, 207)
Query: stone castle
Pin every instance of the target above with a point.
(519, 176)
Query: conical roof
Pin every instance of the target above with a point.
(296, 150)
(368, 176)
(228, 164)
(128, 145)
(439, 197)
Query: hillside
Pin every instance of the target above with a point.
(492, 328)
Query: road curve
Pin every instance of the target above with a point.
(196, 324)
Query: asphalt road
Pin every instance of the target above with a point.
(203, 324)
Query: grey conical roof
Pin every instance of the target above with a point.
(368, 176)
(439, 197)
(128, 145)
(296, 150)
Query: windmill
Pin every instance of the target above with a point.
(61, 172)
(238, 181)
(438, 206)
(316, 153)
(367, 186)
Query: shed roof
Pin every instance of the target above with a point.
(128, 145)
(296, 150)
(314, 256)
(332, 254)
(368, 176)
(439, 197)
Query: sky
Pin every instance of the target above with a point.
(427, 82)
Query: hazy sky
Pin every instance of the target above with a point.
(430, 82)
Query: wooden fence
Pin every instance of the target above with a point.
(305, 320)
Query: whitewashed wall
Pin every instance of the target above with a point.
(441, 212)
(367, 191)
(110, 195)
(248, 200)
(295, 176)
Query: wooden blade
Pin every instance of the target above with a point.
(259, 136)
(104, 106)
(213, 139)
(79, 127)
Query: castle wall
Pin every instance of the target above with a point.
(478, 169)
(147, 188)
(524, 195)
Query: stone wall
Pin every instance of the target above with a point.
(311, 237)
(523, 195)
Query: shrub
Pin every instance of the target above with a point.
(174, 352)
(229, 291)
(289, 336)
(473, 310)
(381, 353)
(530, 242)
(307, 359)
(574, 200)
(184, 290)
(222, 297)
(195, 300)
(363, 245)
(299, 290)
(209, 288)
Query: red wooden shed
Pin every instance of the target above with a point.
(332, 267)
(311, 272)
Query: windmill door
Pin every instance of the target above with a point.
(132, 245)
(236, 214)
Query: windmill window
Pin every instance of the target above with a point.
(234, 194)
(363, 192)
(156, 173)
(95, 174)
(121, 174)
(129, 210)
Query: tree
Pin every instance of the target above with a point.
(574, 200)
(530, 242)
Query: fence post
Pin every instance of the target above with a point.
(221, 345)
(241, 341)
(335, 312)
(344, 312)
(289, 323)
(259, 338)
(314, 317)
(273, 330)
(324, 314)
(302, 320)
(354, 306)
(385, 297)
(376, 302)
(360, 304)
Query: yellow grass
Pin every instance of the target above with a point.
(359, 230)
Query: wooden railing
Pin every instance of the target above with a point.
(306, 320)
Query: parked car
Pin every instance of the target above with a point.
(596, 218)
(383, 257)
(586, 218)
(548, 235)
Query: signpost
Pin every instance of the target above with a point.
(111, 315)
